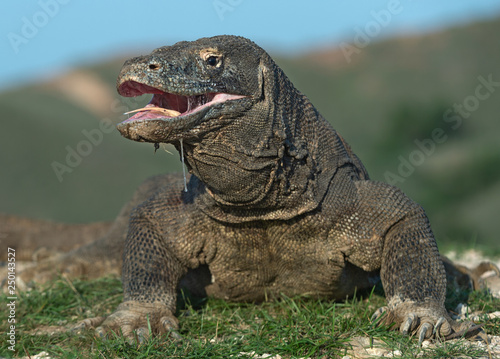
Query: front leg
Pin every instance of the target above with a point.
(412, 272)
(150, 275)
(414, 279)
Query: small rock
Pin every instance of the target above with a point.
(426, 343)
(396, 353)
(462, 310)
(377, 351)
(253, 355)
(41, 355)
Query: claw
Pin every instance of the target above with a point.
(378, 313)
(142, 335)
(100, 332)
(87, 324)
(466, 333)
(407, 325)
(169, 325)
(426, 327)
(437, 327)
(175, 335)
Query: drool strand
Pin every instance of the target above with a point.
(183, 167)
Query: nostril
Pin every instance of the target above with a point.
(154, 66)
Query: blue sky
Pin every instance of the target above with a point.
(39, 38)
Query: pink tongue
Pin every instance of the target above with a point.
(144, 115)
(151, 111)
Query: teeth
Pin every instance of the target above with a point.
(193, 102)
(196, 101)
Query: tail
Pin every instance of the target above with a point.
(466, 278)
(31, 236)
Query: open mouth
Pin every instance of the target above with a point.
(166, 105)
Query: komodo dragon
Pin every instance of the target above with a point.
(276, 203)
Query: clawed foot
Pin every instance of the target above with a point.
(137, 321)
(426, 321)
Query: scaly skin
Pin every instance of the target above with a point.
(277, 202)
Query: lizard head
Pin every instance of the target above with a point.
(250, 138)
(191, 84)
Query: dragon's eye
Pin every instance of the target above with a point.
(212, 60)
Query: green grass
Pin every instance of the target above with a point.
(291, 327)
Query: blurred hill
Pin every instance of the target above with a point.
(410, 107)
